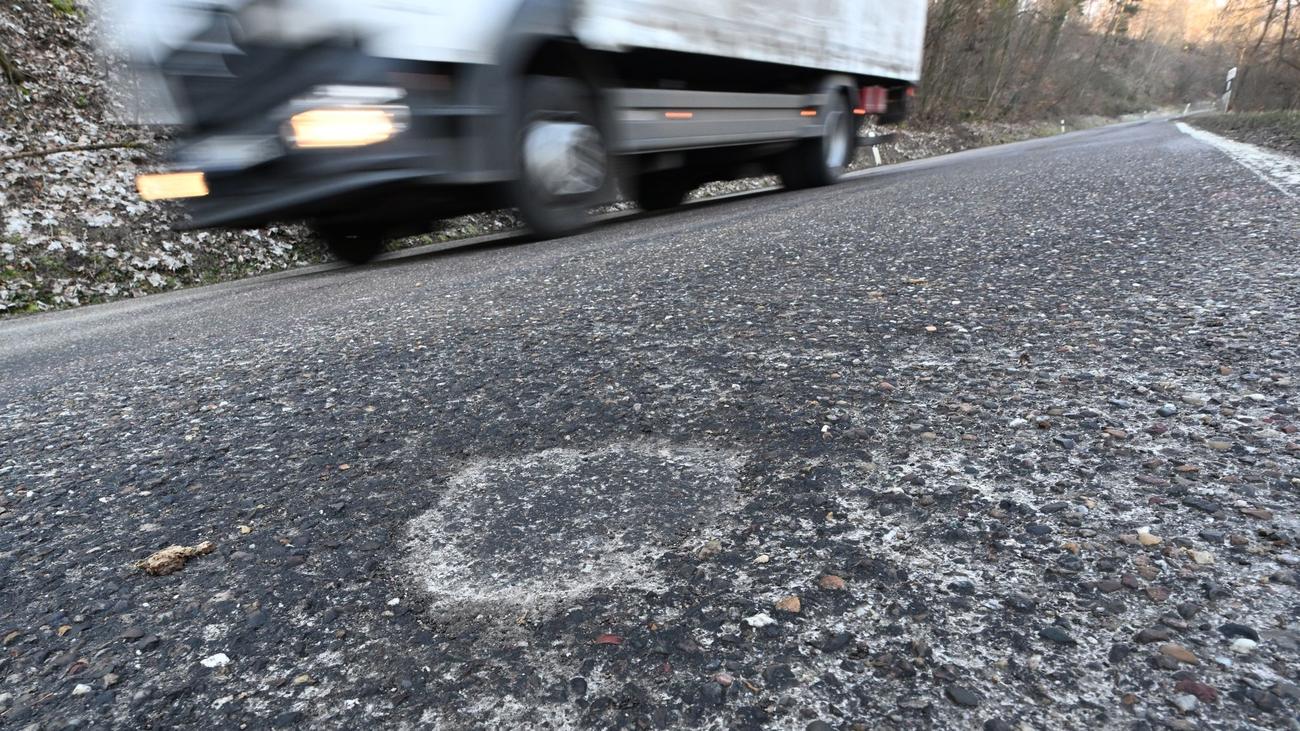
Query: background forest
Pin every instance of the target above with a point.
(1026, 59)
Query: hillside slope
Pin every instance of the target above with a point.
(72, 230)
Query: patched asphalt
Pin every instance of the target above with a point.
(1004, 437)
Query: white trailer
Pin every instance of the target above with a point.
(370, 117)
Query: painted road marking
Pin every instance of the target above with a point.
(1277, 169)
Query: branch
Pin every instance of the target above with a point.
(120, 145)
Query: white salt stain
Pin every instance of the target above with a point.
(529, 530)
(1277, 169)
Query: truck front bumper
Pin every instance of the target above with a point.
(254, 177)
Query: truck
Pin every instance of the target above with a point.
(371, 119)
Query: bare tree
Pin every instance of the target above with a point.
(1032, 58)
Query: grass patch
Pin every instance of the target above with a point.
(67, 7)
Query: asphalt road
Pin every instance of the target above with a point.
(1004, 437)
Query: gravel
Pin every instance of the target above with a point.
(531, 485)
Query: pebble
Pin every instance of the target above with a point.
(962, 696)
(1184, 702)
(1056, 634)
(789, 604)
(81, 689)
(1179, 653)
(831, 582)
(778, 676)
(710, 550)
(711, 693)
(1233, 630)
(215, 661)
(1167, 410)
(1211, 536)
(1203, 692)
(1285, 576)
(1201, 503)
(1244, 645)
(1152, 634)
(759, 620)
(1203, 558)
(1021, 603)
(1147, 538)
(1157, 593)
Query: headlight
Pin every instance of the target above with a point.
(345, 126)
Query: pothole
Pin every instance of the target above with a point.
(551, 526)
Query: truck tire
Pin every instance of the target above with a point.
(822, 160)
(355, 244)
(661, 191)
(563, 160)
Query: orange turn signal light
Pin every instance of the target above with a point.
(166, 186)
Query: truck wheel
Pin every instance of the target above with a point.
(353, 244)
(563, 159)
(661, 191)
(822, 160)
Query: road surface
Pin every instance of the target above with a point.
(1002, 437)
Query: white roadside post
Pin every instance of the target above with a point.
(875, 149)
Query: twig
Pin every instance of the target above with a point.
(120, 145)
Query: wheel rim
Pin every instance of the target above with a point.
(563, 158)
(837, 139)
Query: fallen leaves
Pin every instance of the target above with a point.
(173, 558)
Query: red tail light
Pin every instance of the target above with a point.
(875, 100)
